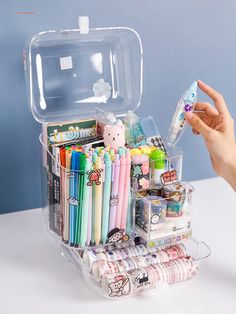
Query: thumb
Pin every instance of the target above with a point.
(197, 124)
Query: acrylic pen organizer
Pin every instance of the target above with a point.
(113, 194)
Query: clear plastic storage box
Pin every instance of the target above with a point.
(123, 216)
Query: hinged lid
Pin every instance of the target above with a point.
(72, 72)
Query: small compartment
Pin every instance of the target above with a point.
(82, 201)
(162, 214)
(125, 271)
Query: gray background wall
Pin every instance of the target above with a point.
(182, 40)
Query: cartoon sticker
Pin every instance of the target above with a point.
(94, 176)
(117, 288)
(117, 236)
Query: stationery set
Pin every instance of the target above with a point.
(113, 194)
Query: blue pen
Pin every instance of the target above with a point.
(185, 104)
(73, 202)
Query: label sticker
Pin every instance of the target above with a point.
(66, 63)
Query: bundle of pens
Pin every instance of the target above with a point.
(97, 195)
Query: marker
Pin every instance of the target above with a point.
(185, 104)
(121, 188)
(98, 205)
(89, 229)
(106, 197)
(85, 204)
(73, 196)
(126, 191)
(66, 228)
(80, 193)
(94, 158)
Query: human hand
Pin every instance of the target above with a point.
(216, 126)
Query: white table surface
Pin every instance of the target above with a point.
(35, 278)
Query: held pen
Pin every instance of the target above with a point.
(185, 104)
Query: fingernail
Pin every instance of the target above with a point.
(189, 115)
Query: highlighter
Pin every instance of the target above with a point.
(157, 160)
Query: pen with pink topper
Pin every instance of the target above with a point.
(114, 191)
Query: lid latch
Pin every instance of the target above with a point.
(83, 24)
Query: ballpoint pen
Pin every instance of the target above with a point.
(185, 104)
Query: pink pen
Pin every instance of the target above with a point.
(126, 191)
(114, 191)
(121, 190)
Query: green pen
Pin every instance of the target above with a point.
(85, 206)
(94, 159)
(82, 160)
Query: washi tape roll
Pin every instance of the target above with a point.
(91, 256)
(175, 195)
(146, 278)
(102, 267)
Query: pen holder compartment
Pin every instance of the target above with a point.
(166, 166)
(81, 206)
(162, 215)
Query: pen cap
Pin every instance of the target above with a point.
(191, 94)
(157, 156)
(82, 162)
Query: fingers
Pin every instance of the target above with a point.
(197, 124)
(195, 132)
(215, 96)
(207, 108)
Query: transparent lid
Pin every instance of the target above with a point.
(71, 73)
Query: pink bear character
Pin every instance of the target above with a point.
(114, 135)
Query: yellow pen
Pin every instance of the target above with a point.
(98, 203)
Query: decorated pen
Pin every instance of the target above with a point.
(185, 104)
